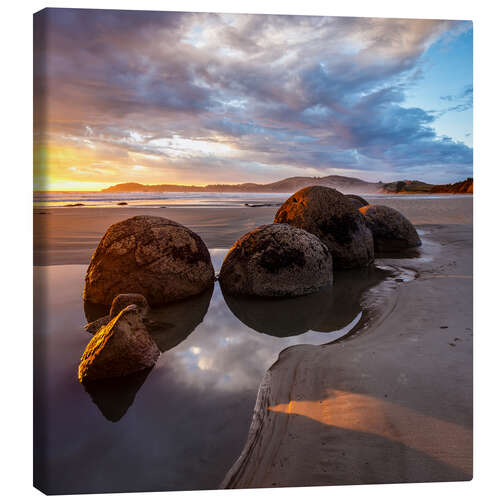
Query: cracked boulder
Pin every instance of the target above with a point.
(152, 256)
(276, 260)
(392, 231)
(330, 216)
(121, 347)
(119, 303)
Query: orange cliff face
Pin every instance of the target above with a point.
(463, 187)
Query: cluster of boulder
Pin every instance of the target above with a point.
(317, 231)
(140, 262)
(148, 261)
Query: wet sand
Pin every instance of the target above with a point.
(70, 235)
(391, 403)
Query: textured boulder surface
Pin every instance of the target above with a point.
(119, 303)
(391, 230)
(121, 347)
(123, 300)
(330, 216)
(357, 201)
(276, 260)
(152, 256)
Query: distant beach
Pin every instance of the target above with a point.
(69, 235)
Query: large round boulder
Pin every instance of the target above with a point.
(330, 216)
(276, 260)
(356, 201)
(391, 230)
(152, 256)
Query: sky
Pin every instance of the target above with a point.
(196, 99)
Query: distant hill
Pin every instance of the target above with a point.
(292, 184)
(289, 185)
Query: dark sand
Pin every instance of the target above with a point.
(70, 235)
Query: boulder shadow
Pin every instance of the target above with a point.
(330, 309)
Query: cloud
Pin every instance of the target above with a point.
(199, 92)
(463, 100)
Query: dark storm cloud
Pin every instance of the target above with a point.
(279, 91)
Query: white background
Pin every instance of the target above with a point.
(16, 238)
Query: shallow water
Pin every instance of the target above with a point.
(181, 425)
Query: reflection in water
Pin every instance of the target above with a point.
(325, 311)
(114, 396)
(171, 324)
(183, 424)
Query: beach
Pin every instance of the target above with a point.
(69, 235)
(345, 391)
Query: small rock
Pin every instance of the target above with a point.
(123, 300)
(276, 260)
(123, 346)
(121, 203)
(119, 303)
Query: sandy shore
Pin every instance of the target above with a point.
(70, 235)
(392, 403)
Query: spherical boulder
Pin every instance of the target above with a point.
(356, 201)
(391, 230)
(276, 260)
(152, 256)
(330, 216)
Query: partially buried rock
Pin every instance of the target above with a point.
(276, 260)
(120, 302)
(329, 215)
(121, 347)
(391, 230)
(356, 201)
(153, 256)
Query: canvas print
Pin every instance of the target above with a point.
(252, 251)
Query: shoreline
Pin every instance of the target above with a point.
(69, 235)
(367, 408)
